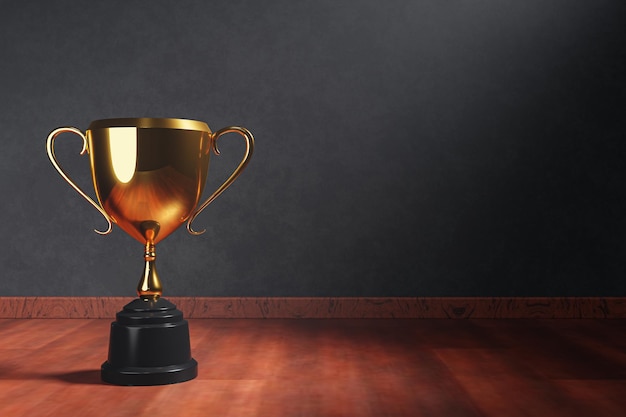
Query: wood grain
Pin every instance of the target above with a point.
(330, 368)
(329, 307)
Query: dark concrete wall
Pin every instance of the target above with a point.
(416, 148)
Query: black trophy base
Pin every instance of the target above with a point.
(149, 345)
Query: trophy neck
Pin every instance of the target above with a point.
(149, 286)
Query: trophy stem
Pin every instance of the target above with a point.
(149, 285)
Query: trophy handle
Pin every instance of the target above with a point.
(246, 158)
(53, 159)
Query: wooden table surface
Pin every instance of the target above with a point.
(330, 368)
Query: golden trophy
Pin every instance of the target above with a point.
(148, 176)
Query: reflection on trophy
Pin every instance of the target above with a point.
(148, 176)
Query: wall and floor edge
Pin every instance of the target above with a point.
(329, 307)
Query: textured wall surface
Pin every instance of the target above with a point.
(404, 148)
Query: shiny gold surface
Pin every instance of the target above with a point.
(50, 149)
(148, 123)
(149, 285)
(162, 179)
(148, 176)
(244, 161)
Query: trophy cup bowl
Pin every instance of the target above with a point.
(148, 175)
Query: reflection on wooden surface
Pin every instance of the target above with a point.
(330, 368)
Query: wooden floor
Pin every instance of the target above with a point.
(330, 368)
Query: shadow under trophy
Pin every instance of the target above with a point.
(148, 175)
